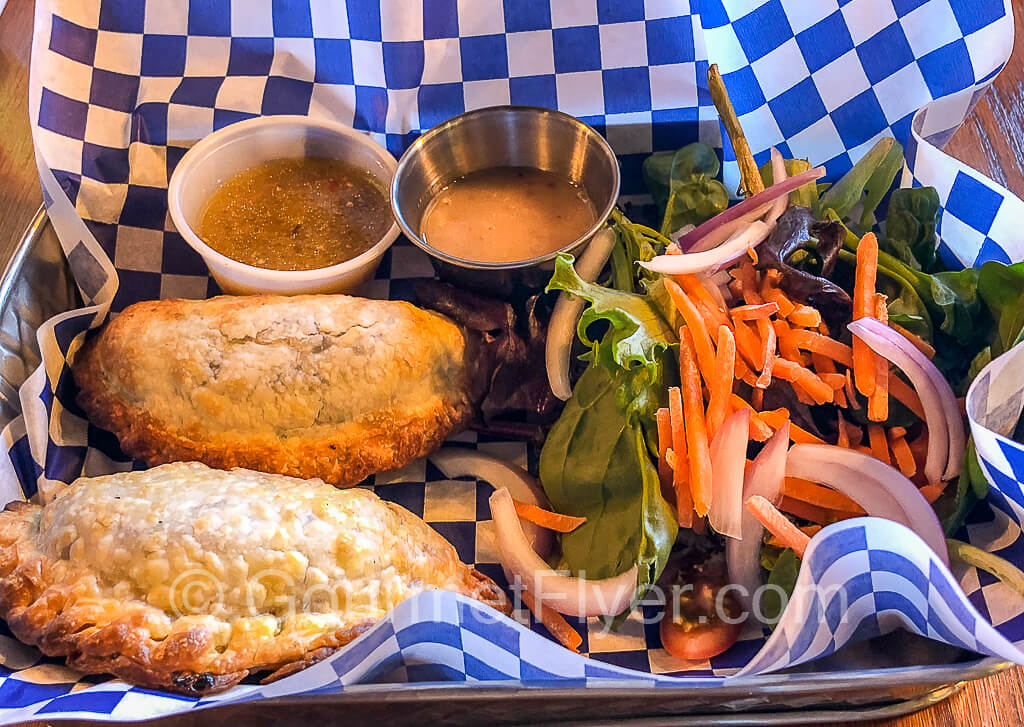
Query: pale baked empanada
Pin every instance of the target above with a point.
(325, 386)
(187, 578)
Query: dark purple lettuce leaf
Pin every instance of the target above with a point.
(507, 369)
(798, 230)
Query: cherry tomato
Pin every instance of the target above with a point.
(698, 641)
(692, 627)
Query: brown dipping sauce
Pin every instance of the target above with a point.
(507, 214)
(296, 214)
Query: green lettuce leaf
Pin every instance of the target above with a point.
(638, 333)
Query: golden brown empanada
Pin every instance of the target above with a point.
(188, 578)
(325, 386)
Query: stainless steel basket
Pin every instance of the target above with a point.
(886, 677)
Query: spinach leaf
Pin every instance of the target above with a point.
(684, 187)
(783, 575)
(971, 487)
(880, 182)
(657, 175)
(1002, 289)
(955, 294)
(845, 194)
(595, 464)
(910, 227)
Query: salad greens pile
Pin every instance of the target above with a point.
(598, 460)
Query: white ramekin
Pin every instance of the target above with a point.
(247, 143)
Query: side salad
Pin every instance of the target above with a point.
(751, 374)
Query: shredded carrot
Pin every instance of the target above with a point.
(757, 398)
(826, 369)
(815, 494)
(804, 511)
(851, 392)
(933, 491)
(842, 438)
(803, 397)
(903, 393)
(554, 622)
(748, 345)
(803, 377)
(698, 293)
(922, 345)
(664, 444)
(786, 347)
(696, 428)
(753, 312)
(778, 524)
(695, 322)
(771, 293)
(897, 431)
(817, 343)
(759, 429)
(836, 381)
(767, 333)
(777, 417)
(879, 445)
(681, 470)
(744, 374)
(546, 519)
(864, 307)
(878, 402)
(747, 276)
(721, 386)
(804, 316)
(901, 452)
(808, 530)
(855, 434)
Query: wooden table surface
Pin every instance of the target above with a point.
(991, 141)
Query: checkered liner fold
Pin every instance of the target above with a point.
(121, 88)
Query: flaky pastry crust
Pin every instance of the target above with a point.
(325, 386)
(187, 579)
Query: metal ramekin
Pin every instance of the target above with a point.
(502, 136)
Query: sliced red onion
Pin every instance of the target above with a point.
(881, 490)
(462, 462)
(778, 175)
(720, 234)
(565, 594)
(728, 457)
(684, 230)
(947, 438)
(751, 203)
(764, 477)
(698, 262)
(566, 314)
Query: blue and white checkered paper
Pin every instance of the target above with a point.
(121, 88)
